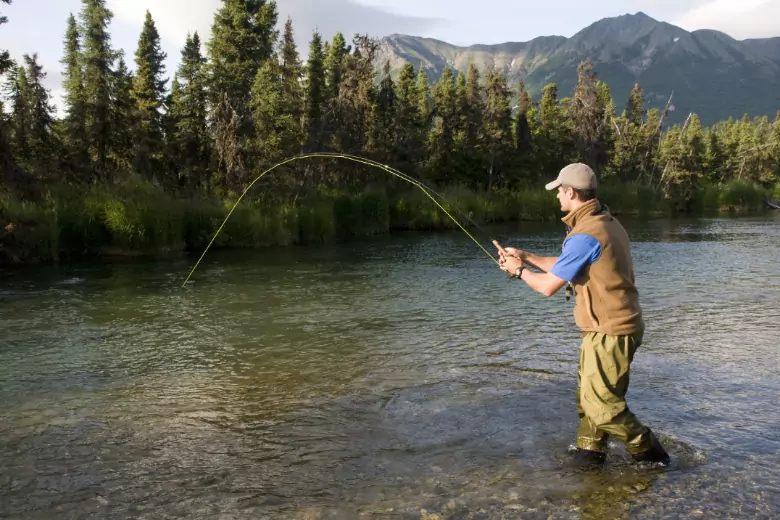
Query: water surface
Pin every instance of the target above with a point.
(401, 377)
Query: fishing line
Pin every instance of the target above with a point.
(427, 191)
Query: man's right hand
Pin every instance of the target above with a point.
(516, 253)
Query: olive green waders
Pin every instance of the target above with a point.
(601, 390)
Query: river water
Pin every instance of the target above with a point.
(401, 377)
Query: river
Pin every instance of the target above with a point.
(397, 377)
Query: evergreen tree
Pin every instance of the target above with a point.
(410, 134)
(315, 94)
(292, 83)
(20, 96)
(384, 136)
(276, 127)
(335, 58)
(474, 107)
(76, 156)
(124, 118)
(441, 139)
(98, 61)
(243, 38)
(588, 112)
(681, 154)
(42, 146)
(352, 107)
(148, 93)
(523, 143)
(471, 154)
(189, 113)
(635, 106)
(553, 144)
(497, 127)
(424, 99)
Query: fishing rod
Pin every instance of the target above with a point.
(369, 162)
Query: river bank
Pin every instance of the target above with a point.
(138, 218)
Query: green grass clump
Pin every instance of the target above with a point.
(743, 195)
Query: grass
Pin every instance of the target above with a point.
(140, 218)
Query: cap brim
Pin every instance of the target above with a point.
(552, 185)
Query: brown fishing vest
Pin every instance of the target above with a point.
(606, 297)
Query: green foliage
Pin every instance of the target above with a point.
(743, 195)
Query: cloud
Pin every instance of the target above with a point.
(174, 18)
(739, 19)
(349, 17)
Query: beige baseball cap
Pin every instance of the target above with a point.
(577, 175)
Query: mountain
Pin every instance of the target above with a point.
(710, 72)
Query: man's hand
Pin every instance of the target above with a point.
(544, 283)
(510, 264)
(515, 253)
(509, 252)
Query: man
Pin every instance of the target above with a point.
(596, 261)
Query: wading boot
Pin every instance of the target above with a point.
(587, 459)
(655, 455)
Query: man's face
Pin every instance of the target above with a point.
(564, 197)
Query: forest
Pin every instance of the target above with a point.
(149, 160)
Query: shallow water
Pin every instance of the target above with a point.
(402, 377)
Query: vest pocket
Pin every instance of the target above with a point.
(589, 305)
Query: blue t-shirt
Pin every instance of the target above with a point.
(578, 251)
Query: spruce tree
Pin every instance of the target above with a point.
(98, 62)
(335, 58)
(148, 93)
(588, 115)
(473, 157)
(41, 118)
(272, 122)
(409, 123)
(522, 125)
(242, 39)
(497, 127)
(424, 99)
(315, 94)
(554, 144)
(292, 83)
(124, 118)
(76, 156)
(635, 106)
(441, 139)
(19, 95)
(384, 135)
(338, 50)
(189, 112)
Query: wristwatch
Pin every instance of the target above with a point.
(518, 272)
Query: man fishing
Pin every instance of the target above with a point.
(596, 262)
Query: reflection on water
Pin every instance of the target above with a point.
(400, 377)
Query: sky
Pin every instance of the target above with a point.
(39, 25)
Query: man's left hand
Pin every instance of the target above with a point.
(510, 264)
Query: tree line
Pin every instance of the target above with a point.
(246, 100)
